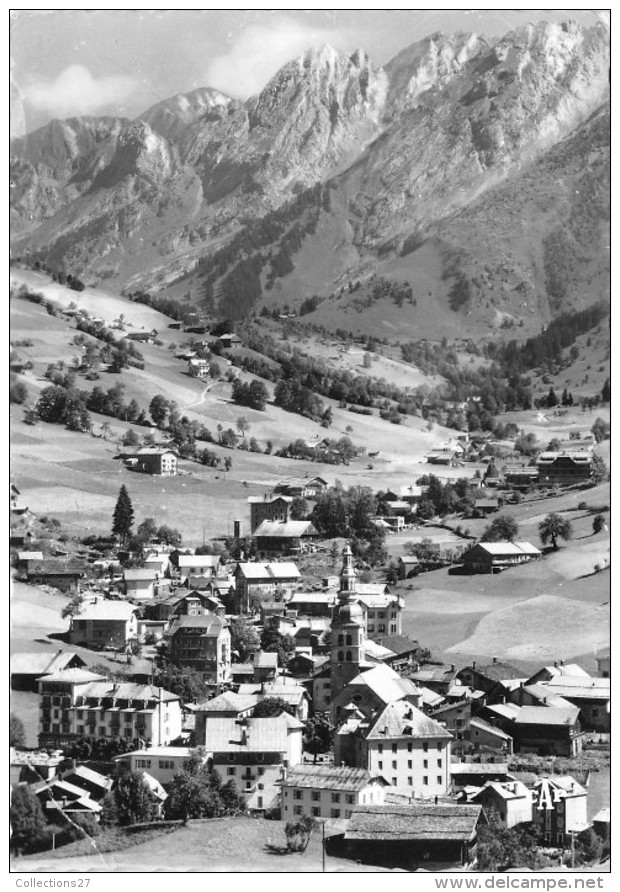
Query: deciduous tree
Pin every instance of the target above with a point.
(554, 527)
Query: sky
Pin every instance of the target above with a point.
(120, 62)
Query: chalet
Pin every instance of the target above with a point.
(564, 468)
(325, 791)
(158, 563)
(253, 752)
(58, 795)
(143, 584)
(229, 341)
(403, 651)
(521, 478)
(202, 643)
(492, 678)
(477, 774)
(437, 678)
(592, 696)
(63, 575)
(312, 603)
(198, 368)
(381, 610)
(95, 784)
(510, 801)
(484, 737)
(76, 703)
(274, 508)
(441, 457)
(153, 460)
(408, 566)
(302, 487)
(493, 557)
(424, 835)
(147, 337)
(290, 692)
(229, 704)
(282, 538)
(101, 623)
(548, 730)
(559, 668)
(411, 493)
(161, 762)
(265, 666)
(560, 807)
(262, 580)
(28, 668)
(195, 565)
(485, 506)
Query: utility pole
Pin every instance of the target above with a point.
(323, 843)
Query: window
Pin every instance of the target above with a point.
(143, 763)
(261, 770)
(80, 714)
(340, 640)
(394, 782)
(347, 814)
(80, 729)
(349, 799)
(315, 811)
(340, 656)
(425, 747)
(166, 763)
(410, 781)
(259, 801)
(297, 810)
(298, 794)
(371, 628)
(335, 812)
(439, 763)
(439, 779)
(425, 780)
(230, 771)
(425, 763)
(349, 640)
(394, 764)
(394, 747)
(409, 763)
(102, 731)
(316, 796)
(381, 627)
(348, 656)
(409, 747)
(380, 765)
(335, 797)
(380, 748)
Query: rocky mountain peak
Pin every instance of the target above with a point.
(173, 116)
(139, 152)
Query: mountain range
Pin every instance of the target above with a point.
(476, 171)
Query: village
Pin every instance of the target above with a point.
(267, 674)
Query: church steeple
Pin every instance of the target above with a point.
(348, 575)
(347, 629)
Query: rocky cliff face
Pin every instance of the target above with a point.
(404, 149)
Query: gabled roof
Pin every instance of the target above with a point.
(265, 660)
(199, 560)
(81, 772)
(506, 790)
(385, 683)
(73, 676)
(140, 574)
(209, 625)
(102, 609)
(547, 715)
(401, 719)
(290, 529)
(489, 729)
(546, 697)
(584, 688)
(227, 702)
(505, 710)
(52, 567)
(329, 777)
(497, 671)
(256, 571)
(434, 673)
(398, 823)
(370, 589)
(268, 500)
(398, 644)
(251, 735)
(43, 663)
(127, 691)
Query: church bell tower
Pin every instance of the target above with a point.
(347, 629)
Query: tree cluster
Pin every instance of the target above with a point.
(198, 792)
(254, 395)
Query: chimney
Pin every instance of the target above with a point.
(555, 664)
(451, 667)
(436, 799)
(561, 662)
(494, 660)
(473, 664)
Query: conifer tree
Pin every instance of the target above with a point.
(123, 514)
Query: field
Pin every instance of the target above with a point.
(73, 476)
(225, 845)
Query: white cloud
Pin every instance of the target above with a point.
(76, 92)
(260, 51)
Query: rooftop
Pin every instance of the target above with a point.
(73, 676)
(101, 609)
(290, 529)
(401, 719)
(209, 624)
(413, 822)
(252, 735)
(329, 777)
(266, 571)
(42, 663)
(458, 768)
(547, 715)
(386, 683)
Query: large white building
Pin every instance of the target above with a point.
(161, 762)
(401, 744)
(325, 791)
(253, 752)
(77, 703)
